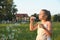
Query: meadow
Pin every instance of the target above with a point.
(20, 31)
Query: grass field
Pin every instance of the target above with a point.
(22, 32)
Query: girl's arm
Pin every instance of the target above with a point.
(48, 31)
(32, 27)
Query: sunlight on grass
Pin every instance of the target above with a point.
(22, 32)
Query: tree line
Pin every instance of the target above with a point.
(8, 10)
(54, 18)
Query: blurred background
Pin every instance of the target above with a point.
(15, 15)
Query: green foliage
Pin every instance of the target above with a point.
(7, 9)
(56, 18)
(16, 32)
(22, 32)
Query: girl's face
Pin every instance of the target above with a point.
(42, 15)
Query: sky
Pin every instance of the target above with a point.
(34, 6)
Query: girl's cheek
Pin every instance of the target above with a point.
(40, 17)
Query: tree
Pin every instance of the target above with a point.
(14, 11)
(56, 18)
(7, 9)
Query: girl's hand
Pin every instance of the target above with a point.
(32, 19)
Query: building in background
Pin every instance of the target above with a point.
(22, 17)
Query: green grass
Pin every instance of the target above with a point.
(22, 32)
(56, 31)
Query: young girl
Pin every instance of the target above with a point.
(44, 28)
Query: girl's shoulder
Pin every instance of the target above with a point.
(39, 22)
(49, 22)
